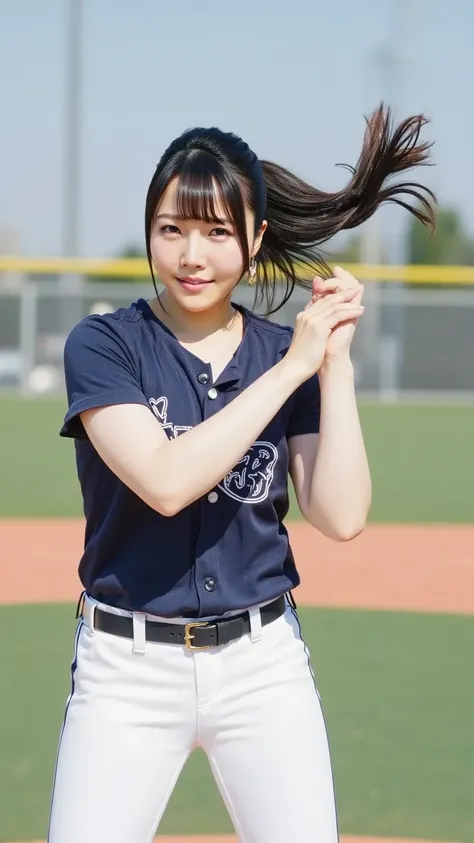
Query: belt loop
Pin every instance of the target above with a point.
(88, 614)
(80, 605)
(255, 624)
(139, 632)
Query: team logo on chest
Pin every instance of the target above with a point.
(250, 480)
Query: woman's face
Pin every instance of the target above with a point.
(198, 262)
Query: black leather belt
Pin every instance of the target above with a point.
(196, 635)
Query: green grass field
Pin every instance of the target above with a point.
(421, 457)
(397, 693)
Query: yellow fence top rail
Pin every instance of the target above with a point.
(138, 268)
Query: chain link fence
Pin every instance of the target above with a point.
(432, 352)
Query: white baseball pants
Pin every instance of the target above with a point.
(138, 709)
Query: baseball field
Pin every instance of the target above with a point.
(388, 619)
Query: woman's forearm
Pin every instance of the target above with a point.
(340, 494)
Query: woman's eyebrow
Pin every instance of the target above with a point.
(177, 217)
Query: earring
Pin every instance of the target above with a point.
(252, 274)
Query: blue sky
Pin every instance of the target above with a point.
(293, 78)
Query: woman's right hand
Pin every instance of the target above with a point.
(314, 325)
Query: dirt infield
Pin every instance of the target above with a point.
(404, 567)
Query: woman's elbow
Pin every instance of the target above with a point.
(338, 530)
(166, 509)
(349, 528)
(166, 502)
(348, 533)
(170, 501)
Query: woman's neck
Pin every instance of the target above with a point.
(192, 327)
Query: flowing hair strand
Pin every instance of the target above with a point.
(302, 218)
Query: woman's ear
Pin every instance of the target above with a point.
(258, 238)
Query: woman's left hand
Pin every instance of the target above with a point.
(340, 339)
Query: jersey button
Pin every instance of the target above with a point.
(212, 393)
(212, 497)
(203, 377)
(210, 584)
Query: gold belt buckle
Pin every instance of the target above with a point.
(188, 637)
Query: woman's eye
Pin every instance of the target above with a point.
(221, 232)
(169, 229)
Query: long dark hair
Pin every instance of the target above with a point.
(300, 217)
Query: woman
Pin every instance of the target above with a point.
(189, 415)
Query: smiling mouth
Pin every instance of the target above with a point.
(194, 281)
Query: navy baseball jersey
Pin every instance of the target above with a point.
(229, 549)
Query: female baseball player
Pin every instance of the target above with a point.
(189, 415)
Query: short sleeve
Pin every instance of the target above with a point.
(306, 410)
(99, 370)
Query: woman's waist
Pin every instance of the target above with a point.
(91, 603)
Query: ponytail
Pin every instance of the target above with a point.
(301, 218)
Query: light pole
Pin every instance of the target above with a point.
(70, 234)
(395, 60)
(70, 285)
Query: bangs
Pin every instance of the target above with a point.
(209, 192)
